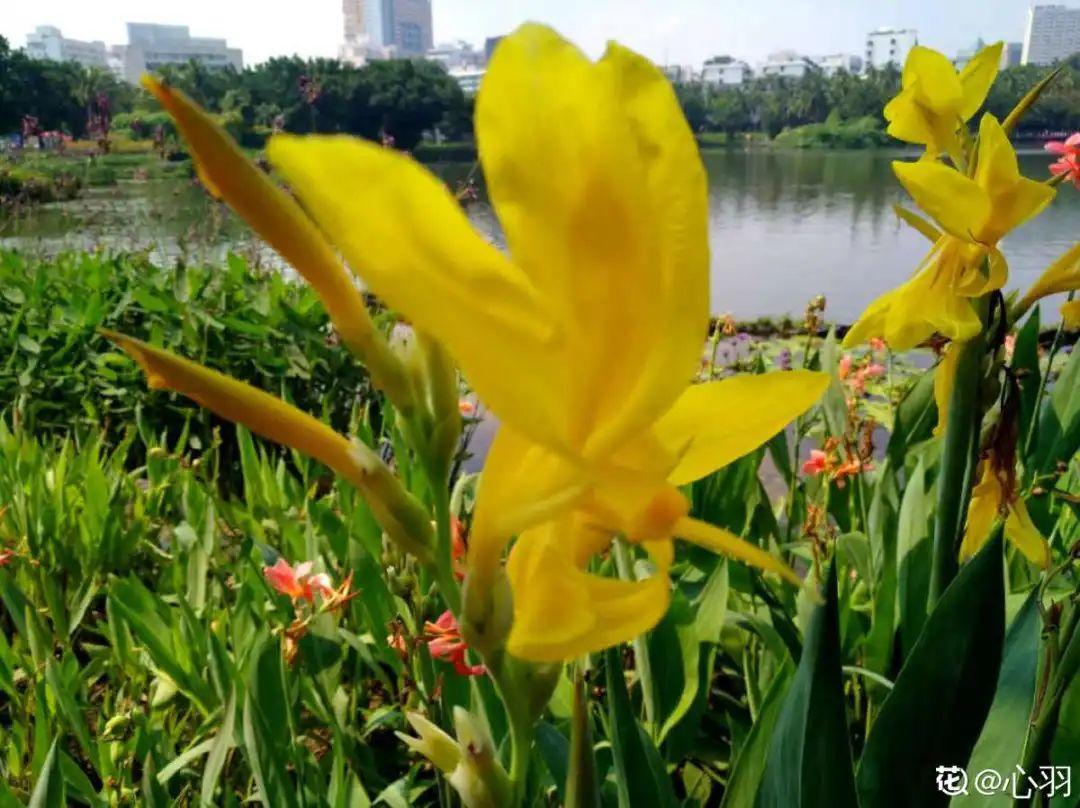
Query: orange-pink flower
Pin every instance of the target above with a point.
(818, 462)
(466, 408)
(845, 366)
(6, 556)
(458, 548)
(878, 345)
(1068, 154)
(444, 642)
(298, 582)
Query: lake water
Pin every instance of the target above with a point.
(784, 226)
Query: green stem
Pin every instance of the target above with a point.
(444, 562)
(509, 685)
(958, 455)
(581, 787)
(641, 648)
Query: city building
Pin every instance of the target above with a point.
(889, 46)
(46, 42)
(833, 63)
(151, 46)
(386, 29)
(728, 73)
(1011, 54)
(787, 64)
(456, 55)
(468, 78)
(1053, 33)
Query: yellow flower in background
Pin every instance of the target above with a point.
(582, 341)
(974, 213)
(1061, 276)
(991, 499)
(1070, 314)
(935, 100)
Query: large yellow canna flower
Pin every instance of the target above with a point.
(964, 262)
(583, 340)
(935, 100)
(990, 500)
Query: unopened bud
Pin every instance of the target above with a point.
(431, 742)
(487, 610)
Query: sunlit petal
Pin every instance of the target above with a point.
(1021, 531)
(715, 423)
(956, 202)
(977, 76)
(984, 509)
(726, 543)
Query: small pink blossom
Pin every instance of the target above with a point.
(878, 345)
(445, 642)
(818, 462)
(1010, 346)
(1068, 154)
(845, 366)
(298, 582)
(466, 408)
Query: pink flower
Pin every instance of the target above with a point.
(466, 408)
(1010, 346)
(298, 582)
(878, 345)
(1068, 162)
(444, 642)
(818, 462)
(845, 366)
(5, 557)
(873, 371)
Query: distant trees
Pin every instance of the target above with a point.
(772, 104)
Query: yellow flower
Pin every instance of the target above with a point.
(990, 500)
(974, 213)
(935, 101)
(1070, 314)
(582, 341)
(1061, 276)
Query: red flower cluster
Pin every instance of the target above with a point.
(1068, 154)
(829, 462)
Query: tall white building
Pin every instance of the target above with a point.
(46, 42)
(889, 46)
(787, 64)
(153, 46)
(1053, 33)
(385, 29)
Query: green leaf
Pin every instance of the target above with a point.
(49, 789)
(936, 710)
(1025, 366)
(215, 761)
(69, 709)
(809, 762)
(637, 780)
(554, 750)
(913, 556)
(745, 780)
(915, 419)
(1059, 426)
(1001, 745)
(268, 727)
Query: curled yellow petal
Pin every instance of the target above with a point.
(985, 507)
(944, 381)
(1013, 198)
(277, 218)
(561, 611)
(400, 515)
(713, 424)
(1021, 531)
(977, 76)
(722, 541)
(1061, 276)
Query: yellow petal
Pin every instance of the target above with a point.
(984, 509)
(907, 120)
(1061, 276)
(275, 216)
(944, 381)
(938, 82)
(873, 320)
(927, 108)
(918, 223)
(976, 78)
(615, 239)
(955, 202)
(1021, 531)
(562, 612)
(1013, 198)
(721, 541)
(715, 423)
(522, 485)
(404, 233)
(1070, 314)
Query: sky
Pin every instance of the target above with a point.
(668, 31)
